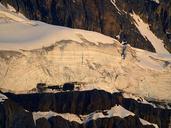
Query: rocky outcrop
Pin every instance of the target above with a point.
(59, 122)
(66, 102)
(116, 122)
(113, 122)
(82, 103)
(148, 112)
(14, 116)
(102, 16)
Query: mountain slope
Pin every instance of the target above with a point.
(104, 16)
(38, 52)
(108, 91)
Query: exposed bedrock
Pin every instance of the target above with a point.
(113, 122)
(85, 102)
(102, 16)
(14, 116)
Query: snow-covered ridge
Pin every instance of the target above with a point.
(68, 116)
(26, 34)
(10, 13)
(32, 37)
(116, 111)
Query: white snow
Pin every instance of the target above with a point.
(68, 116)
(14, 17)
(144, 122)
(26, 34)
(137, 98)
(2, 97)
(116, 111)
(151, 60)
(119, 111)
(11, 8)
(11, 14)
(114, 4)
(147, 33)
(157, 1)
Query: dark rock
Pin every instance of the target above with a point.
(111, 122)
(85, 102)
(74, 102)
(159, 116)
(57, 87)
(14, 116)
(42, 123)
(41, 87)
(59, 122)
(68, 87)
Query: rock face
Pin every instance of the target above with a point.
(115, 122)
(83, 103)
(14, 116)
(102, 16)
(42, 123)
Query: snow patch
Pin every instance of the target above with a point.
(15, 17)
(148, 60)
(116, 111)
(24, 36)
(147, 33)
(87, 57)
(137, 98)
(11, 8)
(68, 116)
(157, 1)
(114, 4)
(2, 97)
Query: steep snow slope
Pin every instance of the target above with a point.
(148, 34)
(31, 37)
(33, 52)
(26, 34)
